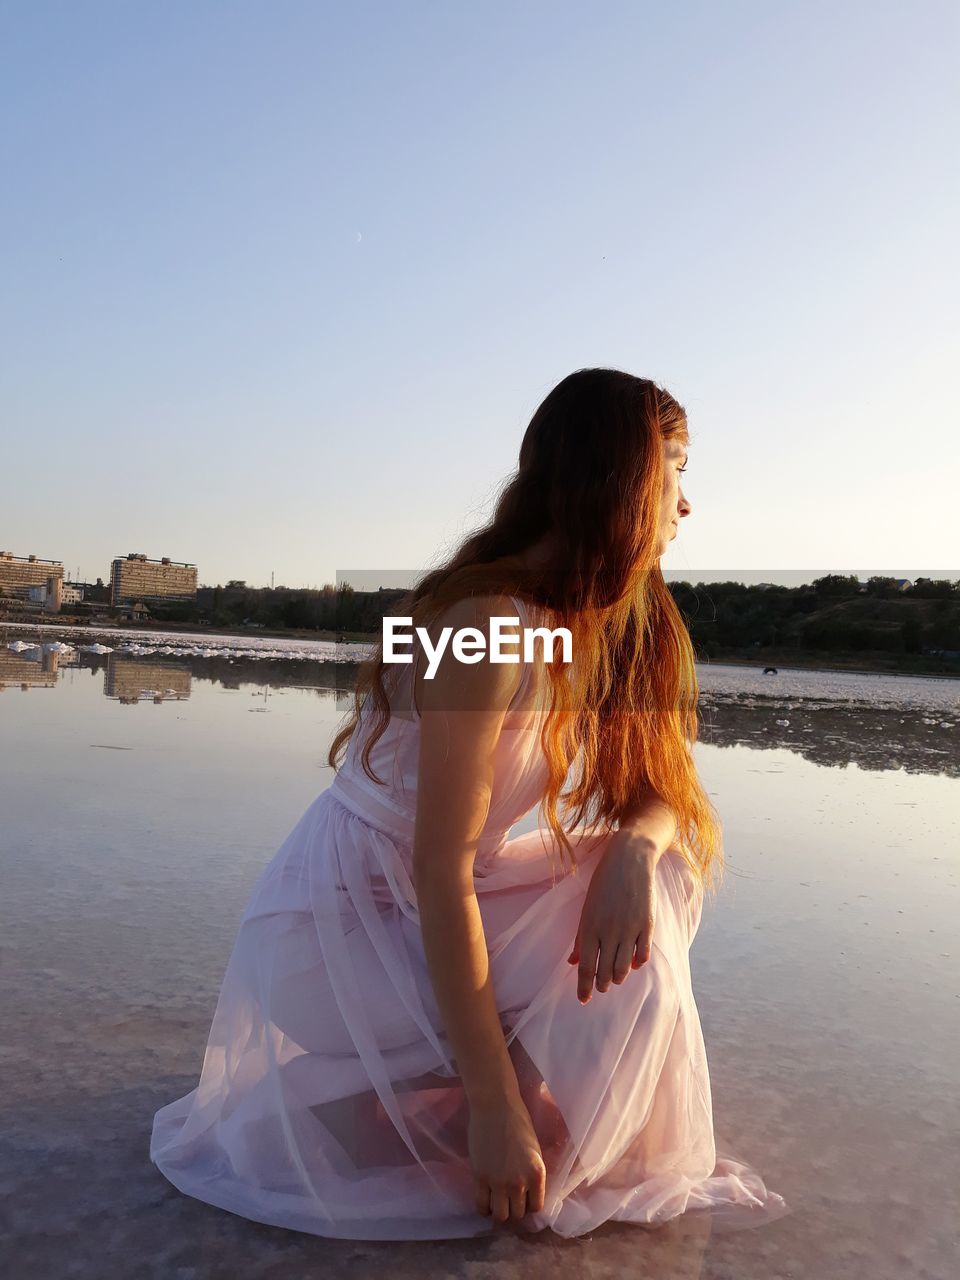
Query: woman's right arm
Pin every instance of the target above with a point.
(462, 714)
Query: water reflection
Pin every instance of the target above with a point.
(31, 669)
(871, 739)
(826, 976)
(832, 718)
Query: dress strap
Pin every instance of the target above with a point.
(414, 713)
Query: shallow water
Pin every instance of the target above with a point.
(141, 794)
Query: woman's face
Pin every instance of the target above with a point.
(673, 505)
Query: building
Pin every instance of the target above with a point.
(135, 578)
(899, 584)
(21, 575)
(136, 612)
(69, 594)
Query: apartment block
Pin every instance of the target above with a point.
(134, 577)
(19, 574)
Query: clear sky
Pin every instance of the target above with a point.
(283, 283)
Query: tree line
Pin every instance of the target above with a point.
(834, 613)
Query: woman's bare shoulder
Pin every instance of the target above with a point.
(478, 682)
(477, 609)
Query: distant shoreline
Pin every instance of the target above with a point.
(855, 664)
(793, 664)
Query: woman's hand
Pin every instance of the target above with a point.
(508, 1169)
(619, 913)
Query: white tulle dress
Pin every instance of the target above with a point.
(328, 1101)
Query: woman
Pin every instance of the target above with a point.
(424, 1030)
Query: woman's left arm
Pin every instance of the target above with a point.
(619, 911)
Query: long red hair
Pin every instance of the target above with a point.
(590, 474)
